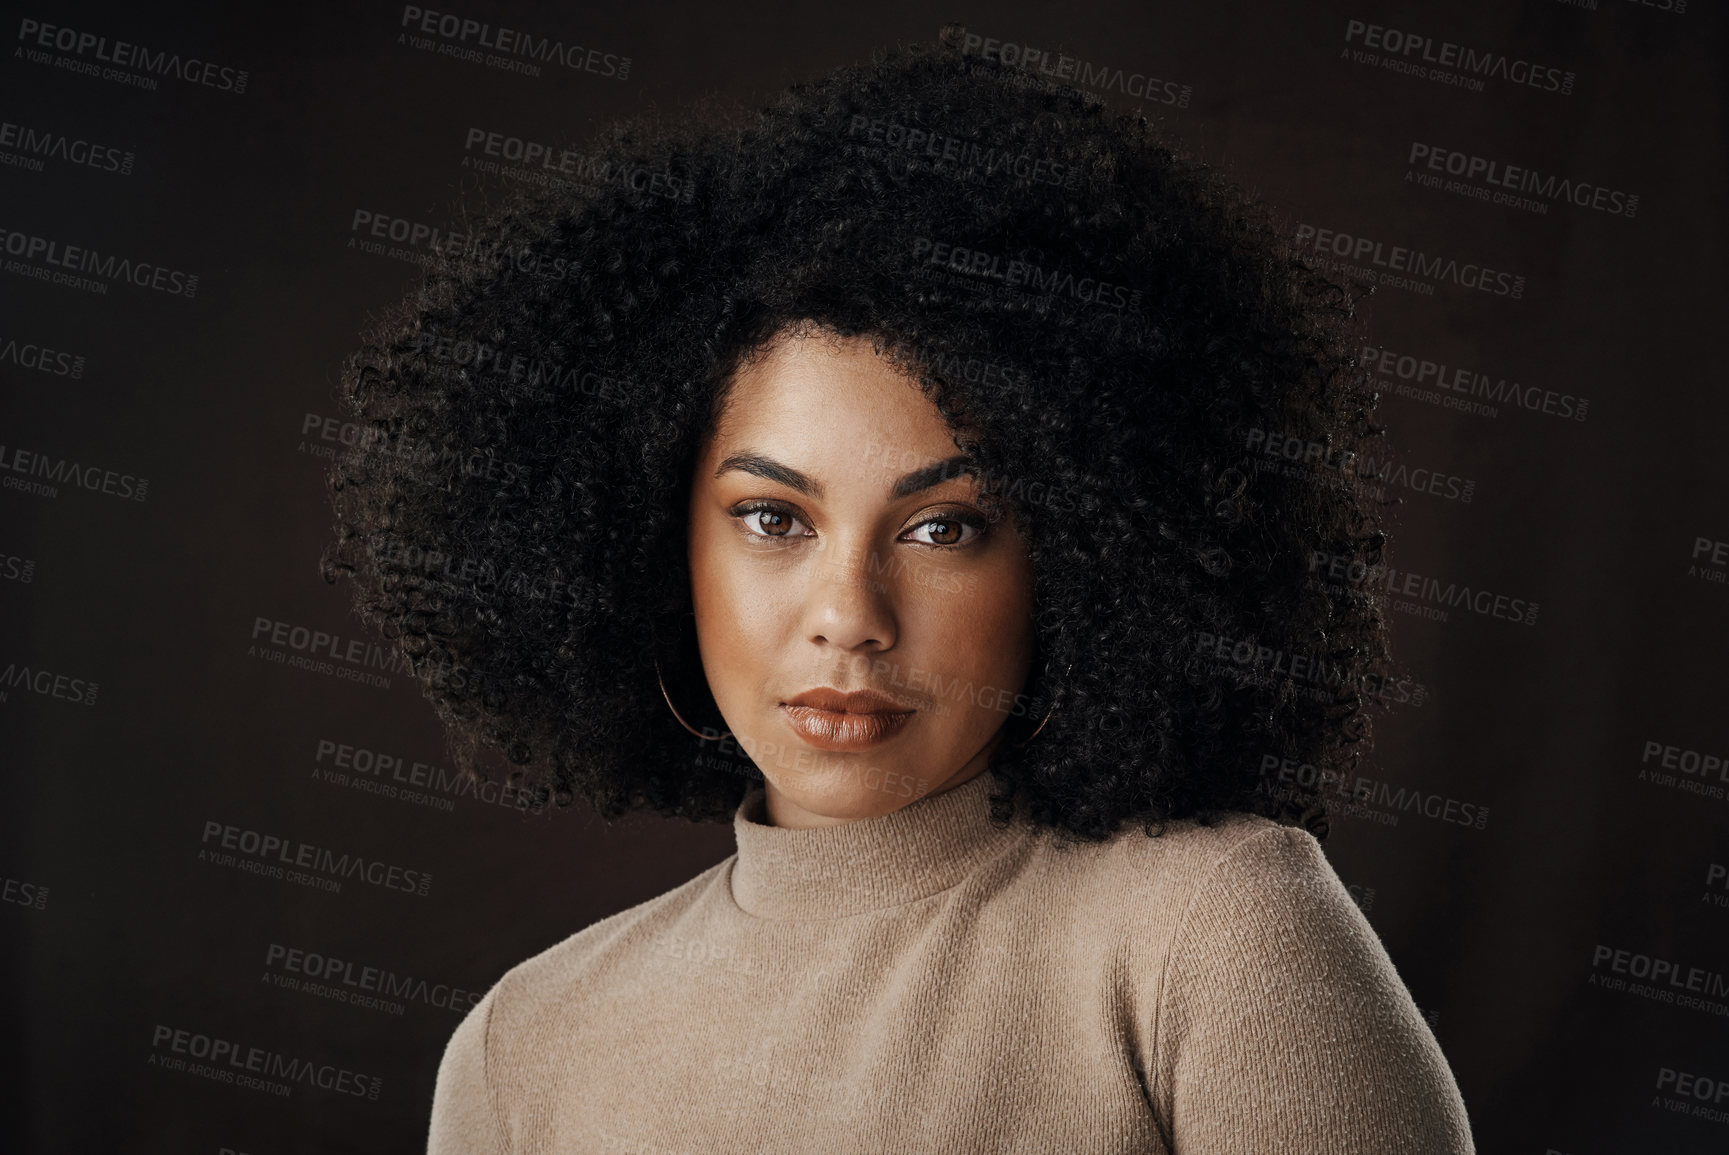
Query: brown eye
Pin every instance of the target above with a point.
(949, 530)
(770, 521)
(773, 523)
(944, 532)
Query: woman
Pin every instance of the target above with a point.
(903, 474)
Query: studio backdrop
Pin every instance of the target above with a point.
(229, 823)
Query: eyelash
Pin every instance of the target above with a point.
(741, 513)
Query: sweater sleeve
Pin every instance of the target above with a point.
(1283, 1025)
(464, 1116)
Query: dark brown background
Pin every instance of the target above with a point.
(1543, 724)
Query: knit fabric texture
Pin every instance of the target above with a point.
(925, 981)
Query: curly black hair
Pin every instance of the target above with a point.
(1164, 392)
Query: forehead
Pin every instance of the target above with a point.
(823, 393)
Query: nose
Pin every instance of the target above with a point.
(850, 601)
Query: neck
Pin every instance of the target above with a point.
(848, 868)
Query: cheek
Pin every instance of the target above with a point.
(1010, 624)
(714, 591)
(737, 612)
(1011, 585)
(980, 621)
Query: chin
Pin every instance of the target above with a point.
(844, 806)
(842, 802)
(847, 792)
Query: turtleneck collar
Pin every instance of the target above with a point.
(867, 864)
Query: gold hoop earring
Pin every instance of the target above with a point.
(662, 683)
(1024, 742)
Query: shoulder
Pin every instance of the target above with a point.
(1271, 898)
(571, 976)
(1261, 899)
(1166, 872)
(1153, 902)
(1280, 1014)
(1201, 845)
(1258, 876)
(569, 969)
(535, 1003)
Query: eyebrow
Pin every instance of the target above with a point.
(918, 480)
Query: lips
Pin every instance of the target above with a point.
(831, 720)
(857, 702)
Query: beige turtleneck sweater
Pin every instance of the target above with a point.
(925, 982)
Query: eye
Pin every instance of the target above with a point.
(948, 529)
(763, 520)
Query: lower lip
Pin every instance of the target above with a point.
(834, 730)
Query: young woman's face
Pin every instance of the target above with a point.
(836, 550)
